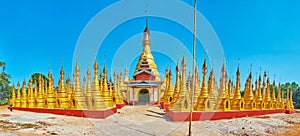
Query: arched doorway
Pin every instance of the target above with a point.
(143, 97)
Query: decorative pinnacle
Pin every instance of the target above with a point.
(204, 67)
(146, 29)
(96, 64)
(238, 71)
(104, 69)
(146, 12)
(89, 72)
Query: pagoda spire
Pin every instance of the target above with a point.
(291, 100)
(183, 78)
(13, 96)
(51, 98)
(164, 86)
(40, 99)
(62, 94)
(259, 99)
(183, 101)
(248, 96)
(79, 98)
(97, 90)
(115, 95)
(35, 91)
(177, 88)
(96, 80)
(229, 89)
(24, 95)
(287, 100)
(267, 94)
(212, 91)
(273, 98)
(196, 86)
(279, 101)
(251, 96)
(223, 101)
(169, 91)
(237, 91)
(18, 97)
(223, 93)
(237, 102)
(204, 90)
(69, 92)
(264, 86)
(89, 90)
(146, 54)
(203, 97)
(105, 92)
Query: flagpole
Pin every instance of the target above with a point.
(193, 80)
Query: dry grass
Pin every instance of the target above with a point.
(3, 107)
(4, 115)
(43, 123)
(294, 129)
(262, 117)
(16, 126)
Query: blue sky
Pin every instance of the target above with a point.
(38, 35)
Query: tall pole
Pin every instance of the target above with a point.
(193, 80)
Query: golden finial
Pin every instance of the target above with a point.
(223, 68)
(177, 68)
(204, 67)
(77, 67)
(96, 64)
(88, 72)
(278, 93)
(183, 63)
(147, 29)
(238, 70)
(61, 71)
(104, 70)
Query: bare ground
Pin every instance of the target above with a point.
(142, 120)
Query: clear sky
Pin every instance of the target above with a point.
(38, 35)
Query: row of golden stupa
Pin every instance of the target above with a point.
(97, 96)
(226, 96)
(102, 94)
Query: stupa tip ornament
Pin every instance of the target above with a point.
(96, 64)
(204, 66)
(61, 71)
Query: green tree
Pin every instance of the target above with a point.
(4, 85)
(35, 78)
(296, 98)
(296, 92)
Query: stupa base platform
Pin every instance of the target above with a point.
(120, 106)
(99, 114)
(154, 103)
(199, 116)
(136, 103)
(164, 106)
(290, 111)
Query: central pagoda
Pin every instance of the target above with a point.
(147, 55)
(144, 87)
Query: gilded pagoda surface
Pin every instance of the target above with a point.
(226, 96)
(188, 91)
(96, 96)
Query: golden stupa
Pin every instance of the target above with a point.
(189, 91)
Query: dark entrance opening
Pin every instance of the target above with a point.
(144, 98)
